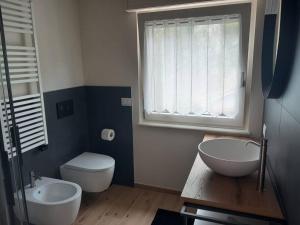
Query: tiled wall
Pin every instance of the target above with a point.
(95, 108)
(3, 207)
(105, 111)
(68, 137)
(284, 155)
(282, 118)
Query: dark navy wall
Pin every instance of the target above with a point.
(282, 118)
(3, 200)
(105, 111)
(95, 108)
(68, 137)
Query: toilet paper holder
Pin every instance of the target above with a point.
(108, 134)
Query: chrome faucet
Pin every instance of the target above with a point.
(253, 142)
(263, 161)
(33, 178)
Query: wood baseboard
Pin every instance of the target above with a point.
(157, 189)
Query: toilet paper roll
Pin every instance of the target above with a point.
(108, 134)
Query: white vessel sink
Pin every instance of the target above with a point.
(52, 202)
(230, 157)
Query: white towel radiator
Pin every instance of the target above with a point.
(25, 78)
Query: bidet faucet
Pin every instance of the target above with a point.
(33, 178)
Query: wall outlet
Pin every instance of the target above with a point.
(126, 102)
(64, 109)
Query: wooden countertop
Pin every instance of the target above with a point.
(204, 187)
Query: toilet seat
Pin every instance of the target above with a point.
(91, 162)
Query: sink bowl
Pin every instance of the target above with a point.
(52, 202)
(230, 157)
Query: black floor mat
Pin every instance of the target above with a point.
(165, 217)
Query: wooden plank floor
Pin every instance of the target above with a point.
(121, 205)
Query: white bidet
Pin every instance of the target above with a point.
(52, 202)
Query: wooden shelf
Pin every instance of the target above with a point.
(204, 187)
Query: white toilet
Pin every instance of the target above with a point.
(93, 172)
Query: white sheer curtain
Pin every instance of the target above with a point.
(192, 68)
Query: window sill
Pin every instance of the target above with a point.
(194, 127)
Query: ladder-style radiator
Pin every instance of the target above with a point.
(25, 80)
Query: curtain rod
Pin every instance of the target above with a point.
(203, 4)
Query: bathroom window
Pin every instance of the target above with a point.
(192, 71)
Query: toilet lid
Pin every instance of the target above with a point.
(91, 162)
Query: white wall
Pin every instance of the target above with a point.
(109, 43)
(58, 33)
(162, 156)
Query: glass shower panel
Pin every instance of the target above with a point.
(11, 147)
(22, 112)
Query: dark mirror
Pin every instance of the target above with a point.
(278, 45)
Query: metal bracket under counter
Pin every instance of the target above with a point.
(206, 215)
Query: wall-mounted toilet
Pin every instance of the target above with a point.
(93, 172)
